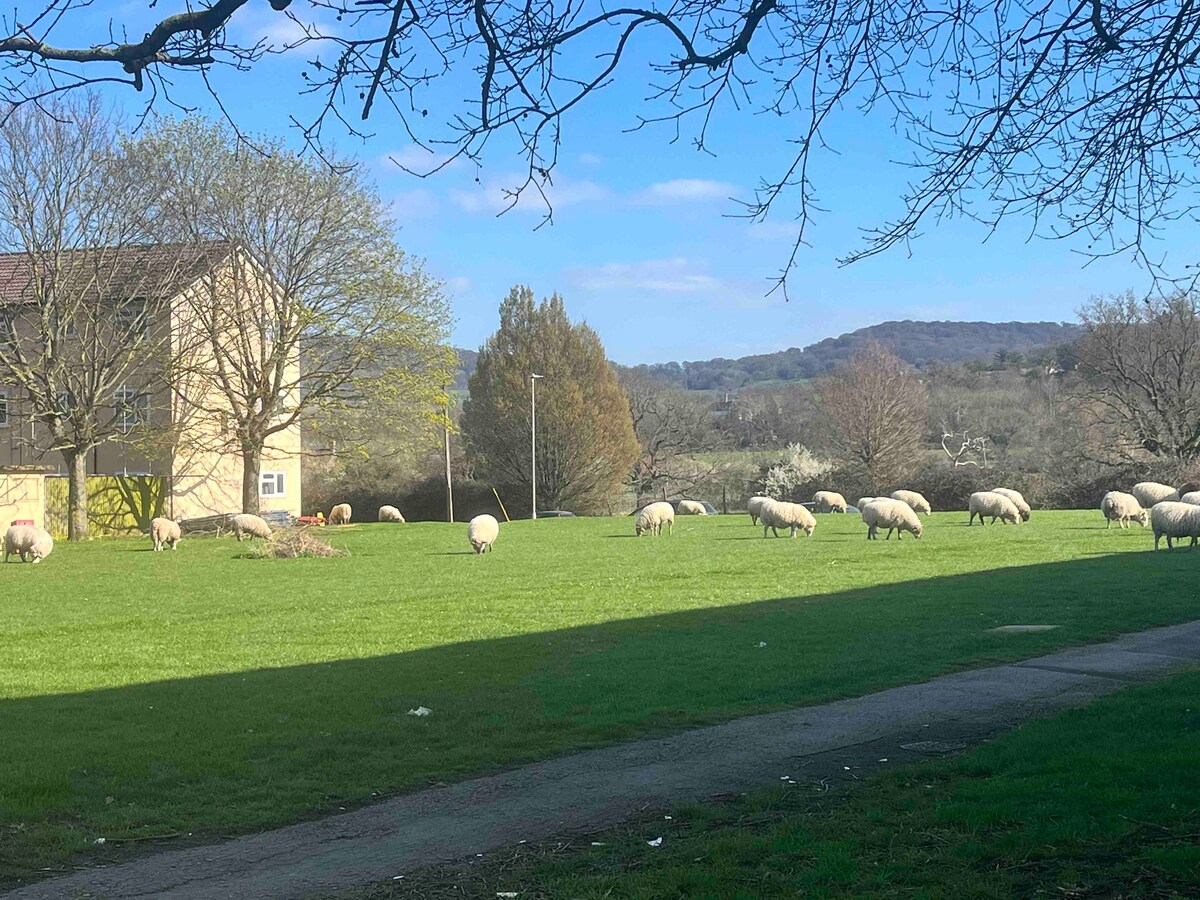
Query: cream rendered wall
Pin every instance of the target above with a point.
(206, 466)
(22, 496)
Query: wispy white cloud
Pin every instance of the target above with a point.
(492, 195)
(458, 285)
(415, 158)
(282, 31)
(676, 275)
(687, 280)
(409, 206)
(684, 190)
(591, 159)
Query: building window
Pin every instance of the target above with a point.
(8, 329)
(132, 319)
(133, 408)
(271, 484)
(3, 409)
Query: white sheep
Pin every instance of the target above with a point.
(691, 508)
(917, 501)
(165, 531)
(1123, 508)
(482, 532)
(1192, 497)
(29, 542)
(340, 514)
(894, 515)
(989, 503)
(862, 502)
(754, 506)
(828, 501)
(1174, 520)
(390, 514)
(1018, 501)
(792, 516)
(652, 517)
(246, 525)
(1150, 492)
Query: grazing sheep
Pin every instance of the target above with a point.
(1120, 507)
(1174, 520)
(862, 502)
(1192, 497)
(390, 514)
(482, 532)
(917, 501)
(828, 501)
(165, 531)
(248, 526)
(340, 514)
(1018, 501)
(652, 518)
(894, 515)
(754, 506)
(791, 516)
(989, 503)
(691, 508)
(29, 542)
(1150, 492)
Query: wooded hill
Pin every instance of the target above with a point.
(917, 343)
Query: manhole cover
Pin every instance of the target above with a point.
(1022, 629)
(933, 746)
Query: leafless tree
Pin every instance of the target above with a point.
(1080, 115)
(964, 450)
(316, 317)
(80, 293)
(671, 426)
(875, 408)
(1140, 367)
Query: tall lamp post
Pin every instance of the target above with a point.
(533, 377)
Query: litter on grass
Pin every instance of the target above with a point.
(420, 711)
(657, 842)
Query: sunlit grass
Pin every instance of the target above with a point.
(199, 691)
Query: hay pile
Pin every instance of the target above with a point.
(293, 543)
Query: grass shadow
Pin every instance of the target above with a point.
(246, 750)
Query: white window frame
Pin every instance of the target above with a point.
(277, 481)
(132, 318)
(5, 409)
(139, 408)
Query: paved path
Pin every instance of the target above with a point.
(602, 787)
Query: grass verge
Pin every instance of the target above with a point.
(1098, 802)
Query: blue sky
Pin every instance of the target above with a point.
(645, 243)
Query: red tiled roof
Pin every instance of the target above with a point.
(138, 270)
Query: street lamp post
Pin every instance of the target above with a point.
(533, 438)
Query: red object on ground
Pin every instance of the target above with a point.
(22, 521)
(310, 520)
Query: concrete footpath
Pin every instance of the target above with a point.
(598, 788)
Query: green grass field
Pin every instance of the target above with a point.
(201, 693)
(1098, 802)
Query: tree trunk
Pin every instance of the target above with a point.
(251, 472)
(77, 495)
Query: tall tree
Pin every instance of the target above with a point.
(80, 312)
(1140, 367)
(1080, 115)
(585, 438)
(317, 317)
(875, 408)
(671, 426)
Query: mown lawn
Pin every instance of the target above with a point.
(201, 693)
(1098, 802)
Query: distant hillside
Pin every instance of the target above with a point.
(915, 342)
(466, 367)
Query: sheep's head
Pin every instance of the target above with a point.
(1143, 518)
(916, 532)
(808, 530)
